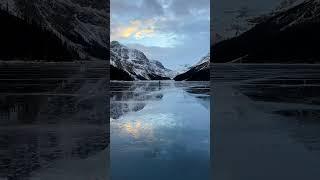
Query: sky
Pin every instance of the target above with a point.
(174, 32)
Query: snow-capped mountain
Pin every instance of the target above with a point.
(198, 72)
(136, 63)
(281, 7)
(289, 36)
(287, 4)
(182, 69)
(235, 17)
(203, 60)
(305, 12)
(78, 23)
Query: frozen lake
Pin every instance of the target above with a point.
(53, 121)
(265, 121)
(264, 124)
(160, 131)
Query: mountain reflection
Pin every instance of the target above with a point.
(132, 96)
(47, 126)
(297, 100)
(38, 130)
(20, 109)
(160, 129)
(202, 94)
(306, 127)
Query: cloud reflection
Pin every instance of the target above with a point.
(145, 125)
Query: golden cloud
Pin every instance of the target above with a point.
(144, 33)
(137, 29)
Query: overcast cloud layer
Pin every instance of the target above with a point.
(175, 32)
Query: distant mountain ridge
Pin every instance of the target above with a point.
(136, 64)
(198, 72)
(288, 36)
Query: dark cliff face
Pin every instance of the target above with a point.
(290, 36)
(198, 72)
(119, 74)
(28, 40)
(82, 25)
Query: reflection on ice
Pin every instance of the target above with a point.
(305, 126)
(266, 121)
(169, 134)
(132, 96)
(53, 121)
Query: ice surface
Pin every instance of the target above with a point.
(53, 121)
(265, 122)
(159, 131)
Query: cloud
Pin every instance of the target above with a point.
(183, 8)
(153, 6)
(173, 31)
(131, 29)
(136, 28)
(144, 33)
(168, 16)
(137, 8)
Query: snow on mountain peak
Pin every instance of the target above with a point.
(204, 59)
(136, 63)
(299, 12)
(199, 71)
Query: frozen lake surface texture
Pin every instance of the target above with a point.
(160, 131)
(53, 121)
(265, 122)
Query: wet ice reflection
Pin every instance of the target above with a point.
(168, 138)
(266, 121)
(51, 126)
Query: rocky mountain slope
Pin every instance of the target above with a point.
(136, 64)
(289, 36)
(81, 24)
(216, 38)
(198, 72)
(29, 41)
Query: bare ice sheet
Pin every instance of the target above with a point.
(53, 121)
(265, 122)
